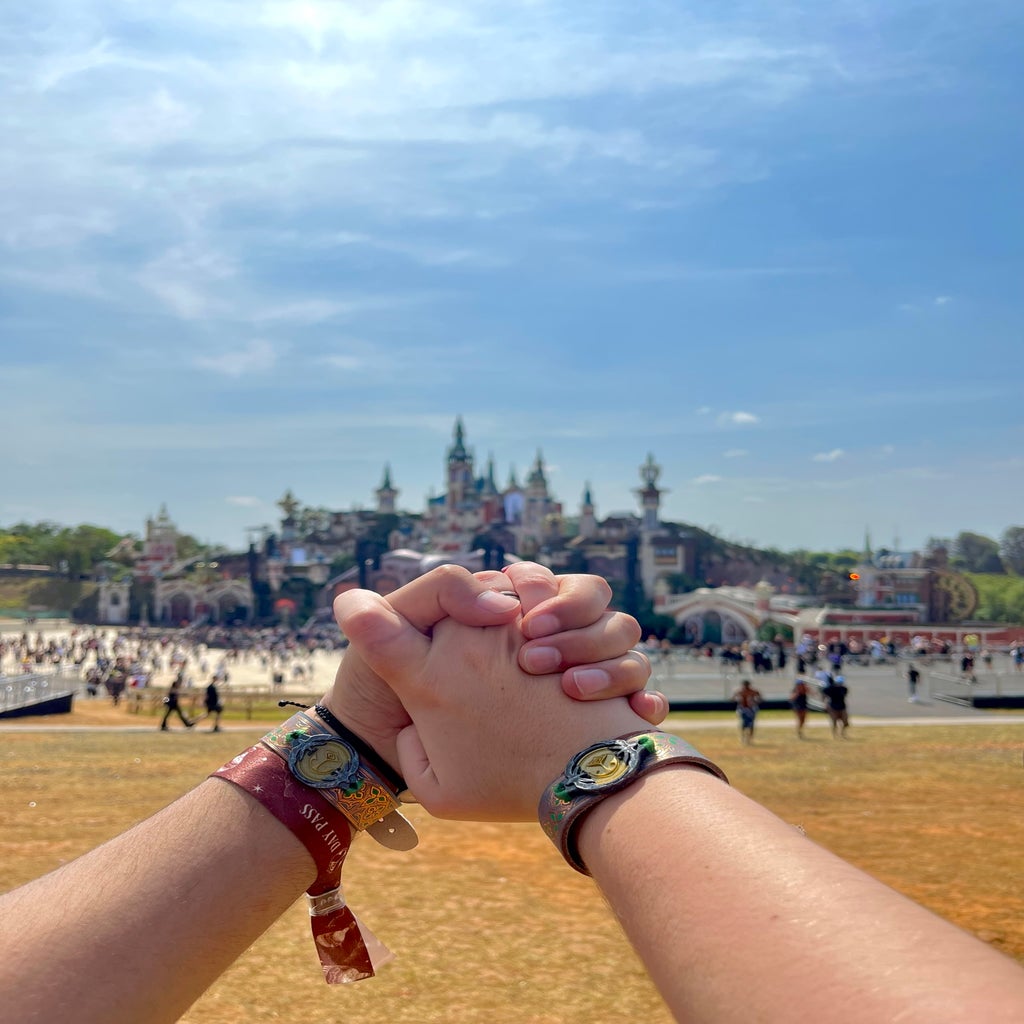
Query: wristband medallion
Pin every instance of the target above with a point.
(604, 768)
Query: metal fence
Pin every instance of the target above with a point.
(22, 690)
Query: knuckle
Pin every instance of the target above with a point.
(449, 573)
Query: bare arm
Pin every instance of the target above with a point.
(739, 917)
(138, 928)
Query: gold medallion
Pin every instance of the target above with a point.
(603, 766)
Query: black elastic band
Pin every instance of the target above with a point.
(362, 748)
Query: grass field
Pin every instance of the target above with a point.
(487, 922)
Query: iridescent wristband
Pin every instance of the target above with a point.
(604, 768)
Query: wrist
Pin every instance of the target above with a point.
(626, 818)
(604, 771)
(382, 741)
(369, 755)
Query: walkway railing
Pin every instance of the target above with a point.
(22, 690)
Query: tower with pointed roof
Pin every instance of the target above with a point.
(459, 468)
(650, 494)
(386, 493)
(537, 498)
(588, 516)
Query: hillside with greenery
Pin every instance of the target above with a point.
(996, 568)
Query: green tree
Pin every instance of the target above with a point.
(1000, 597)
(977, 553)
(1011, 549)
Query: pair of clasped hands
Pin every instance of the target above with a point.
(480, 687)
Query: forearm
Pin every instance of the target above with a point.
(137, 929)
(738, 917)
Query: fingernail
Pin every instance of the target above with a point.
(492, 601)
(541, 659)
(590, 680)
(542, 625)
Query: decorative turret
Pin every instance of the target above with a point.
(386, 493)
(490, 488)
(460, 467)
(457, 452)
(536, 482)
(650, 494)
(588, 520)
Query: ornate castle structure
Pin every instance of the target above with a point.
(479, 524)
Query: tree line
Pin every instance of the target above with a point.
(72, 551)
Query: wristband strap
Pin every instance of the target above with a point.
(365, 751)
(316, 784)
(321, 759)
(343, 947)
(604, 768)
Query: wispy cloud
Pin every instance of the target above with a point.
(707, 478)
(258, 356)
(735, 453)
(244, 501)
(830, 456)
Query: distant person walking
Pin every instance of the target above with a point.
(1018, 656)
(172, 705)
(748, 700)
(214, 706)
(913, 676)
(835, 693)
(967, 667)
(798, 702)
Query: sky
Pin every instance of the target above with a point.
(251, 247)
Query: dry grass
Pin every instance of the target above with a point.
(488, 924)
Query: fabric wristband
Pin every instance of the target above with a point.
(326, 834)
(316, 785)
(321, 759)
(599, 771)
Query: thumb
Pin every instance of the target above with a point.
(386, 641)
(416, 769)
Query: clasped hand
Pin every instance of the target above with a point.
(480, 698)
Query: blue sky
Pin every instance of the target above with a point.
(247, 247)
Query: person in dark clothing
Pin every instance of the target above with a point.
(835, 693)
(913, 676)
(213, 706)
(172, 705)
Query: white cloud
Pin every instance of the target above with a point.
(244, 501)
(257, 357)
(735, 453)
(943, 300)
(738, 419)
(753, 499)
(832, 456)
(707, 478)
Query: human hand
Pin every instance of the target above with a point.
(569, 629)
(565, 615)
(484, 739)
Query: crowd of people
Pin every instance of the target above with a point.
(112, 662)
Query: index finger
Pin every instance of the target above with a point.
(450, 590)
